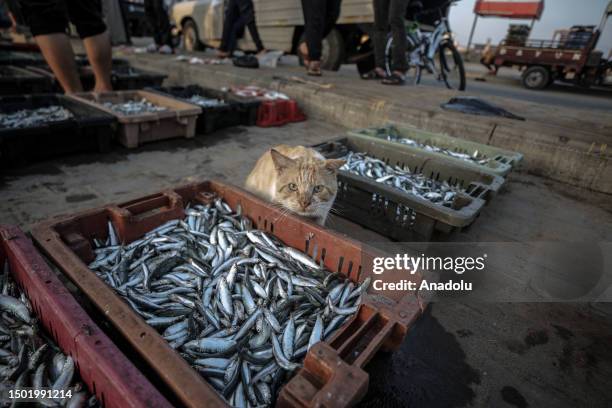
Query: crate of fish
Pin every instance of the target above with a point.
(49, 342)
(276, 108)
(39, 126)
(20, 58)
(403, 194)
(18, 81)
(145, 116)
(220, 109)
(229, 299)
(470, 154)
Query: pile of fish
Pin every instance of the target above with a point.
(416, 183)
(34, 117)
(393, 135)
(241, 307)
(28, 358)
(134, 107)
(206, 102)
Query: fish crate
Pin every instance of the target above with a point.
(125, 77)
(400, 215)
(332, 374)
(178, 120)
(234, 111)
(276, 109)
(21, 59)
(18, 81)
(86, 75)
(103, 368)
(498, 161)
(89, 129)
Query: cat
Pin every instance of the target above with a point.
(298, 179)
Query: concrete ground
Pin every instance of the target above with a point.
(460, 353)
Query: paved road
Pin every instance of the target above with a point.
(508, 85)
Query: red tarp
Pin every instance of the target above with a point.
(522, 9)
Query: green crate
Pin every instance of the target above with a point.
(398, 214)
(500, 163)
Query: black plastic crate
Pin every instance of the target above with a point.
(89, 129)
(125, 77)
(236, 111)
(16, 81)
(88, 80)
(21, 59)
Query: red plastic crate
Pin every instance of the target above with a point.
(279, 112)
(276, 109)
(102, 367)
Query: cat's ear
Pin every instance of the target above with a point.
(281, 162)
(334, 164)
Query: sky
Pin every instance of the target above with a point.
(558, 14)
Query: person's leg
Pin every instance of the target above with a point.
(314, 21)
(247, 11)
(397, 11)
(332, 13)
(48, 21)
(59, 55)
(231, 14)
(86, 15)
(100, 55)
(149, 6)
(163, 23)
(381, 28)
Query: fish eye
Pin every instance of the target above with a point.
(292, 187)
(318, 188)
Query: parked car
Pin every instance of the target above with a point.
(281, 26)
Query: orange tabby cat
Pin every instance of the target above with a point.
(298, 178)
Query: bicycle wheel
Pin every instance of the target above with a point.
(449, 64)
(413, 75)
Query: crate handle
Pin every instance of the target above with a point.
(333, 373)
(135, 218)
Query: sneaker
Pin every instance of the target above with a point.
(152, 48)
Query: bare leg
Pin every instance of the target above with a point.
(100, 57)
(58, 53)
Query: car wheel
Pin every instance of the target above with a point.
(191, 38)
(536, 77)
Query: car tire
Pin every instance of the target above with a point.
(333, 51)
(191, 39)
(536, 77)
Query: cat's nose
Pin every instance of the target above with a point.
(304, 203)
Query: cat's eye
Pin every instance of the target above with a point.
(318, 188)
(292, 187)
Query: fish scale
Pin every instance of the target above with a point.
(255, 307)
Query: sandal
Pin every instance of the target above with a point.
(394, 79)
(373, 74)
(303, 54)
(314, 68)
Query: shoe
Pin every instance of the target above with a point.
(151, 48)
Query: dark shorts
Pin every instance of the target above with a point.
(52, 16)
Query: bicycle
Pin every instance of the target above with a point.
(433, 51)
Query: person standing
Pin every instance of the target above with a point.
(160, 23)
(238, 14)
(320, 17)
(389, 15)
(48, 22)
